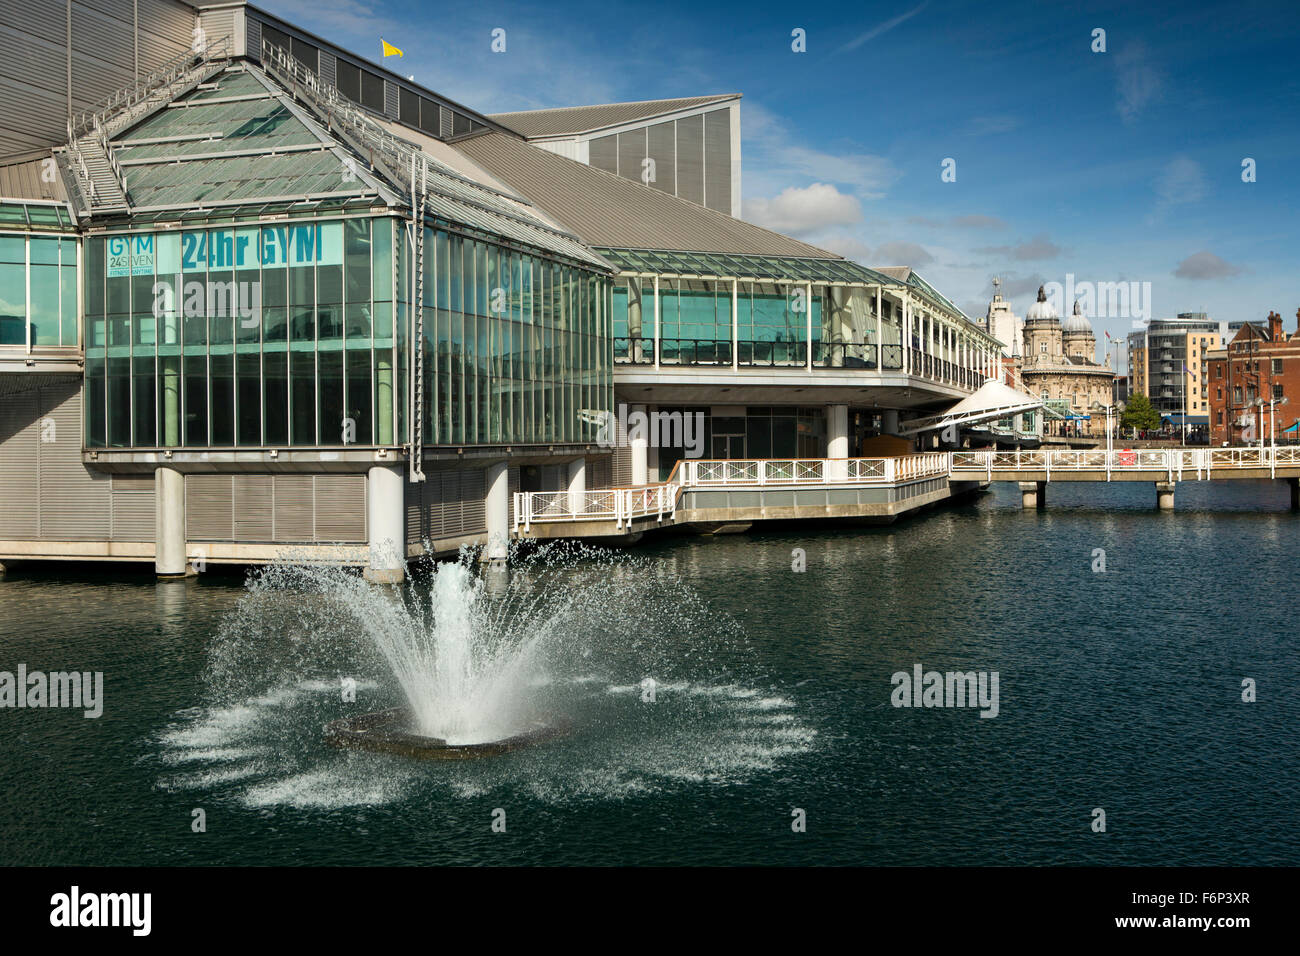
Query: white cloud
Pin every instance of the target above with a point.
(881, 28)
(847, 246)
(1138, 83)
(805, 210)
(1039, 247)
(774, 155)
(1182, 181)
(902, 254)
(1206, 265)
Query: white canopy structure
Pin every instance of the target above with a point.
(992, 401)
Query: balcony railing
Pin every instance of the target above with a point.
(634, 350)
(622, 505)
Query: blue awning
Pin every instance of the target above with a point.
(1177, 419)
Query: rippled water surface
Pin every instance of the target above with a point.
(1119, 690)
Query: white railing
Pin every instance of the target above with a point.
(1177, 463)
(724, 472)
(623, 505)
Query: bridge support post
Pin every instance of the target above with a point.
(1033, 494)
(386, 521)
(1165, 495)
(1295, 493)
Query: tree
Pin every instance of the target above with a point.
(1139, 413)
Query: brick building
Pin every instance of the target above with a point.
(1254, 384)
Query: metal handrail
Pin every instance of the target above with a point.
(1177, 463)
(160, 77)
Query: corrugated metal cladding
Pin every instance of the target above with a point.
(444, 122)
(615, 212)
(34, 59)
(280, 509)
(391, 108)
(661, 141)
(218, 23)
(253, 29)
(48, 494)
(717, 160)
(690, 158)
(29, 180)
(631, 150)
(329, 66)
(446, 504)
(584, 119)
(603, 153)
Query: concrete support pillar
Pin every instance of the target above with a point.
(386, 521)
(640, 445)
(1165, 495)
(169, 523)
(497, 506)
(577, 485)
(889, 421)
(1295, 493)
(1033, 494)
(837, 441)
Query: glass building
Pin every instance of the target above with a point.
(38, 276)
(283, 335)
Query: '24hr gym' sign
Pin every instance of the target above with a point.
(314, 243)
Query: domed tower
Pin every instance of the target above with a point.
(1043, 343)
(1078, 338)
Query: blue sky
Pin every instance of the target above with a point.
(1117, 166)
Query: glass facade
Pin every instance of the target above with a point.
(295, 334)
(516, 348)
(38, 278)
(695, 321)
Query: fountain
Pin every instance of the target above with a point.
(545, 666)
(465, 677)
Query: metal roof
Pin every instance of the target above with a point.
(610, 212)
(768, 268)
(29, 180)
(244, 142)
(571, 120)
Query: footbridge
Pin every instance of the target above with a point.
(1164, 467)
(733, 493)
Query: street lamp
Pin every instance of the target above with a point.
(1109, 410)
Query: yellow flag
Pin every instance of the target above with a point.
(389, 49)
